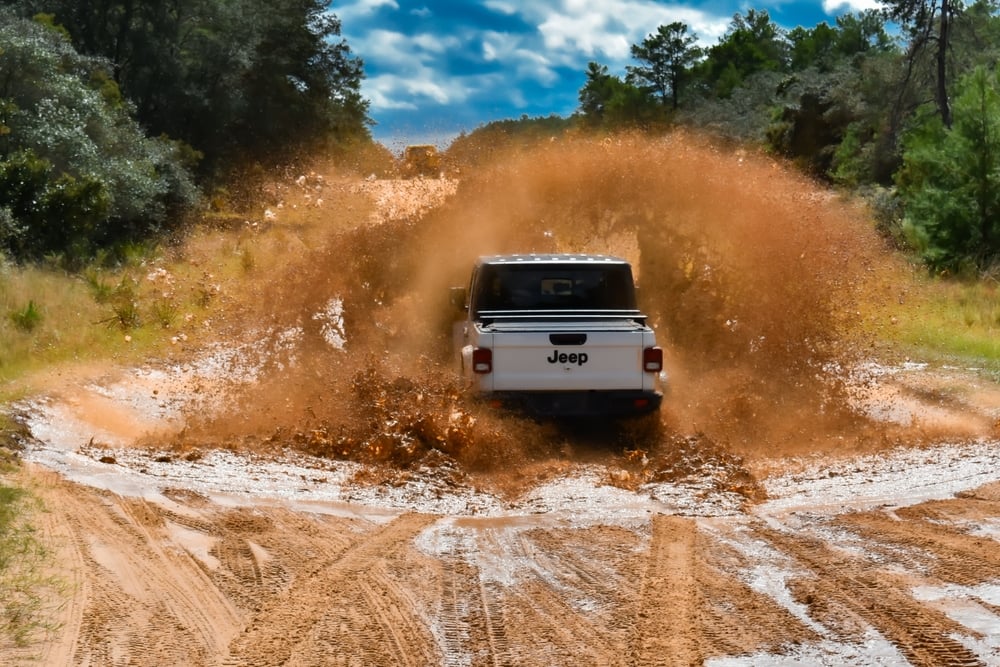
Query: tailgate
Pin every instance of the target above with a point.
(566, 360)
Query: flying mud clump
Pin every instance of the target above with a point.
(752, 276)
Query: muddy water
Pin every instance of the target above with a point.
(752, 276)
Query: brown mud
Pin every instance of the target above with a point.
(318, 499)
(753, 276)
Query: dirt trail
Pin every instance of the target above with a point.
(186, 578)
(316, 526)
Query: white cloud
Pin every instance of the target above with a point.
(587, 34)
(517, 55)
(410, 91)
(401, 52)
(354, 11)
(575, 30)
(429, 43)
(501, 7)
(840, 6)
(433, 90)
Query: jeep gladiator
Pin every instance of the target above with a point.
(557, 335)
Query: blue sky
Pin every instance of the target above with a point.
(435, 68)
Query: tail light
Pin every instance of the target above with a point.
(482, 360)
(652, 360)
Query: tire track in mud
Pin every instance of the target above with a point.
(511, 594)
(665, 629)
(255, 556)
(180, 602)
(945, 551)
(469, 621)
(456, 618)
(343, 608)
(693, 603)
(66, 604)
(847, 593)
(471, 615)
(555, 611)
(138, 600)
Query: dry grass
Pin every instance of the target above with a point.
(171, 299)
(23, 564)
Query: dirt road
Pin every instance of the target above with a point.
(226, 559)
(741, 539)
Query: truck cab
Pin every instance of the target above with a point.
(421, 160)
(558, 335)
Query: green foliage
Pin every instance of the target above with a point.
(745, 115)
(252, 80)
(950, 180)
(813, 119)
(76, 172)
(26, 319)
(753, 43)
(958, 320)
(833, 98)
(834, 105)
(100, 288)
(124, 301)
(606, 101)
(164, 312)
(862, 33)
(107, 110)
(668, 56)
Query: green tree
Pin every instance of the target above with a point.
(868, 152)
(75, 170)
(608, 101)
(929, 26)
(862, 33)
(596, 93)
(246, 79)
(830, 99)
(668, 56)
(816, 47)
(753, 43)
(950, 180)
(304, 84)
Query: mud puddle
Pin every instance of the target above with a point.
(104, 434)
(795, 554)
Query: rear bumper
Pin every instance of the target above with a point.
(579, 403)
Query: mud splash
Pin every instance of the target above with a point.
(752, 274)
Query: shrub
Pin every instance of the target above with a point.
(27, 318)
(76, 171)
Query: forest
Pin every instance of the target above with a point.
(116, 116)
(899, 105)
(119, 118)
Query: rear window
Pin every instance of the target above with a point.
(554, 287)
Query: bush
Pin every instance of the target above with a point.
(76, 171)
(28, 318)
(950, 180)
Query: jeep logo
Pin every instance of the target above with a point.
(578, 358)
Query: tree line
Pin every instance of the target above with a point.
(115, 114)
(902, 104)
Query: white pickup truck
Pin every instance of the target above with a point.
(558, 335)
